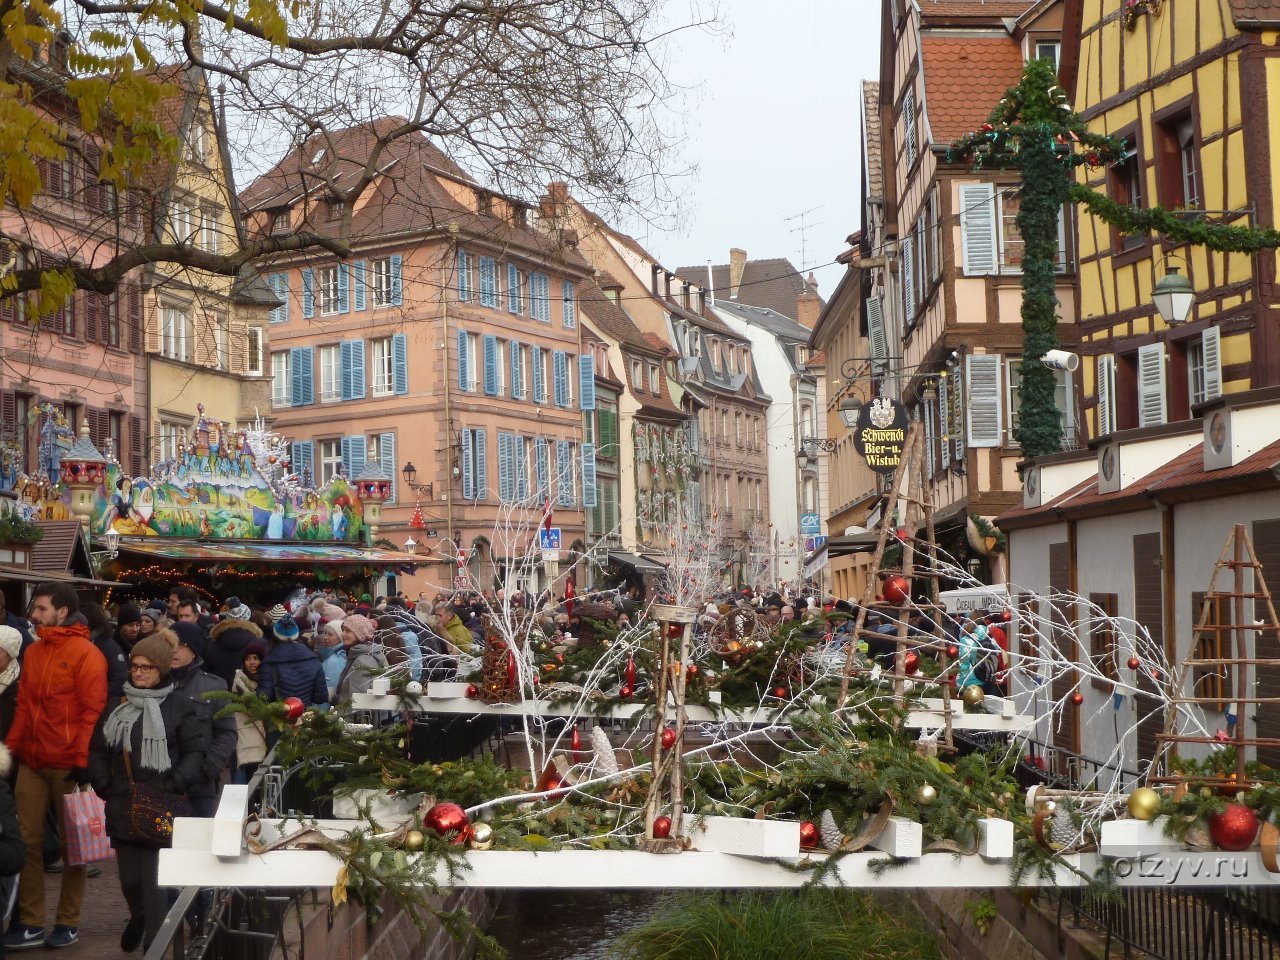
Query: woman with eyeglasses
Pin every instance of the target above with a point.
(166, 742)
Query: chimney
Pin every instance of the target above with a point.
(668, 285)
(808, 306)
(684, 294)
(702, 302)
(654, 282)
(737, 266)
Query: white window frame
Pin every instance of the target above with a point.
(222, 342)
(1040, 52)
(380, 282)
(655, 379)
(280, 379)
(175, 334)
(1063, 395)
(473, 362)
(329, 459)
(330, 373)
(168, 436)
(383, 375)
(280, 221)
(327, 300)
(254, 342)
(502, 358)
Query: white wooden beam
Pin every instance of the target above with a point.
(900, 838)
(739, 835)
(1136, 838)
(995, 838)
(228, 821)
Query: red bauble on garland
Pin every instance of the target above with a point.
(1234, 828)
(473, 692)
(1077, 698)
(626, 692)
(293, 707)
(662, 827)
(445, 819)
(952, 651)
(910, 663)
(1134, 663)
(780, 692)
(896, 590)
(631, 672)
(668, 738)
(808, 835)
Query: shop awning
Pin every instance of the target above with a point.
(852, 543)
(264, 552)
(636, 562)
(22, 575)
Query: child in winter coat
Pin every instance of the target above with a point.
(251, 742)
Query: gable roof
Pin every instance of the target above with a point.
(612, 320)
(964, 78)
(993, 11)
(1255, 13)
(770, 320)
(773, 283)
(62, 549)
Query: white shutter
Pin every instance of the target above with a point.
(908, 282)
(1211, 351)
(1151, 399)
(982, 378)
(944, 421)
(930, 413)
(909, 126)
(876, 334)
(1106, 393)
(978, 227)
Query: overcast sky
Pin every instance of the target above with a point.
(775, 131)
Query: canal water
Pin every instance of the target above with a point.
(567, 924)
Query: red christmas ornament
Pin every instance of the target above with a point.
(445, 818)
(631, 672)
(473, 692)
(675, 631)
(662, 827)
(808, 835)
(575, 743)
(1134, 663)
(293, 707)
(668, 738)
(780, 692)
(626, 692)
(896, 590)
(693, 670)
(910, 663)
(1221, 736)
(511, 669)
(1234, 828)
(559, 658)
(952, 650)
(1092, 159)
(1077, 698)
(1006, 615)
(987, 128)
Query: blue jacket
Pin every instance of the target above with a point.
(292, 670)
(414, 651)
(333, 660)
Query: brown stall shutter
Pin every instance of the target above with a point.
(1148, 610)
(1266, 544)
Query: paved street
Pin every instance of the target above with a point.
(104, 914)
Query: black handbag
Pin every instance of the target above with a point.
(152, 811)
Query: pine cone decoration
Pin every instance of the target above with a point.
(832, 838)
(606, 764)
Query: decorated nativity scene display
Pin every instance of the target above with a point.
(221, 484)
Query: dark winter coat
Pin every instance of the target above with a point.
(117, 665)
(185, 732)
(225, 653)
(192, 683)
(12, 850)
(292, 670)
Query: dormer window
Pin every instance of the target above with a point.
(484, 204)
(1048, 50)
(280, 221)
(337, 208)
(317, 156)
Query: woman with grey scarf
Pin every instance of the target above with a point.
(166, 741)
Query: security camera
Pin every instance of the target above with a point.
(1061, 360)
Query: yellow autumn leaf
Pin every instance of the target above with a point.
(340, 887)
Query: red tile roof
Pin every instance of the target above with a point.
(964, 78)
(991, 10)
(1249, 12)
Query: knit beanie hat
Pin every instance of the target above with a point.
(278, 612)
(332, 627)
(235, 608)
(255, 647)
(190, 635)
(127, 614)
(156, 651)
(361, 626)
(286, 628)
(152, 614)
(10, 642)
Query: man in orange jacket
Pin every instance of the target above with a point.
(61, 694)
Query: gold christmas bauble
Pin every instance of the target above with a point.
(481, 836)
(927, 794)
(973, 695)
(415, 840)
(1143, 803)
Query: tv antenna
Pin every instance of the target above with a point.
(803, 229)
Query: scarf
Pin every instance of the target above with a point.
(118, 730)
(10, 675)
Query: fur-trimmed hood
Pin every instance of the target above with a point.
(224, 626)
(6, 760)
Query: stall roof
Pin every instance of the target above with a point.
(22, 575)
(256, 551)
(62, 549)
(637, 562)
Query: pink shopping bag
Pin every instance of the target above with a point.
(86, 828)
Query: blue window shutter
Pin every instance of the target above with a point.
(400, 363)
(540, 469)
(303, 459)
(356, 359)
(560, 372)
(490, 365)
(564, 475)
(345, 445)
(301, 385)
(387, 459)
(517, 387)
(308, 374)
(522, 470)
(344, 288)
(344, 360)
(488, 282)
(588, 474)
(279, 284)
(587, 381)
(482, 467)
(308, 294)
(464, 276)
(463, 362)
(397, 286)
(569, 308)
(358, 273)
(355, 451)
(468, 466)
(513, 288)
(535, 361)
(505, 478)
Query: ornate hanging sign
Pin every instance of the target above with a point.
(881, 434)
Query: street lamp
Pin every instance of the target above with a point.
(1173, 296)
(112, 538)
(850, 408)
(410, 545)
(410, 474)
